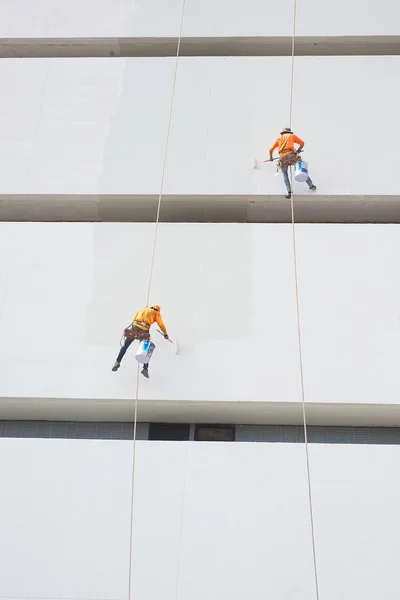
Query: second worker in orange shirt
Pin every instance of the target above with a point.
(285, 144)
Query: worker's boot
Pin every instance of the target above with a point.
(116, 366)
(145, 372)
(288, 195)
(313, 188)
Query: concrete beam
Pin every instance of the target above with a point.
(245, 413)
(201, 209)
(199, 46)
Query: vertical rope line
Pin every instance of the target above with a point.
(166, 151)
(148, 295)
(133, 483)
(216, 11)
(292, 63)
(310, 503)
(178, 572)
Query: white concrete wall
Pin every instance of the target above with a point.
(210, 520)
(158, 18)
(227, 294)
(98, 126)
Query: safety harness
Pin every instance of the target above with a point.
(137, 335)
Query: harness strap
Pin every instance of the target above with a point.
(142, 323)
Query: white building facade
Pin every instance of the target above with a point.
(127, 173)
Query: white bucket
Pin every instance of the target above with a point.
(301, 171)
(145, 350)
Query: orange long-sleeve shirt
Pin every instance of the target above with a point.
(285, 144)
(149, 315)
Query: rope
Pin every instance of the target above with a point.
(298, 319)
(178, 571)
(166, 151)
(133, 482)
(148, 296)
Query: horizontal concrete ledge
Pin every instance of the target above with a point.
(245, 413)
(198, 46)
(310, 208)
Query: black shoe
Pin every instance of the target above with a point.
(313, 188)
(116, 366)
(145, 373)
(288, 195)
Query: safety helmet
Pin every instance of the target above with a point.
(156, 307)
(286, 130)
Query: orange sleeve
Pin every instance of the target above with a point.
(297, 140)
(160, 322)
(275, 145)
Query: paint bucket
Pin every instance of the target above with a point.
(145, 350)
(301, 171)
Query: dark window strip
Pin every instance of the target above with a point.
(286, 434)
(177, 432)
(294, 434)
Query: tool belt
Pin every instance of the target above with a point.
(285, 161)
(136, 335)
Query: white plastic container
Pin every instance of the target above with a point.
(301, 171)
(145, 351)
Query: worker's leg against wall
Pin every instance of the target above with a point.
(286, 178)
(121, 354)
(309, 182)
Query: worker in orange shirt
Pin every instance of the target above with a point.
(285, 144)
(141, 323)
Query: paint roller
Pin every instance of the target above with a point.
(175, 344)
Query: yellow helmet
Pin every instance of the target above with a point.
(156, 307)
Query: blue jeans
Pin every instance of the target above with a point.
(285, 174)
(127, 343)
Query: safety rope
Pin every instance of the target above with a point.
(298, 317)
(296, 294)
(178, 570)
(148, 295)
